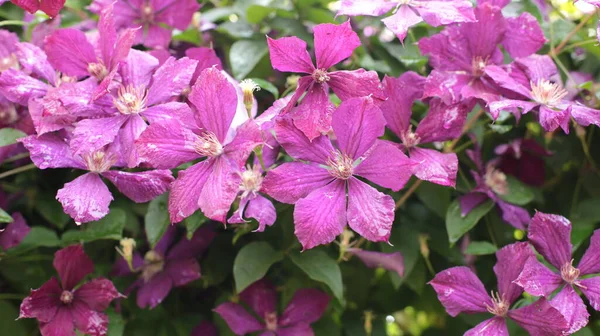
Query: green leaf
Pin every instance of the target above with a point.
(51, 210)
(252, 263)
(458, 225)
(116, 324)
(194, 222)
(39, 236)
(5, 217)
(481, 248)
(321, 267)
(245, 55)
(435, 197)
(501, 129)
(8, 325)
(256, 13)
(267, 86)
(109, 227)
(409, 55)
(157, 219)
(518, 192)
(9, 136)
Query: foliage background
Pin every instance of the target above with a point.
(367, 301)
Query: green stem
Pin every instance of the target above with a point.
(576, 193)
(429, 266)
(10, 296)
(490, 230)
(13, 23)
(16, 158)
(17, 170)
(578, 44)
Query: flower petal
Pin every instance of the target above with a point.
(70, 52)
(88, 321)
(18, 87)
(514, 215)
(334, 43)
(97, 294)
(14, 232)
(186, 190)
(294, 180)
(313, 115)
(536, 279)
(182, 271)
(61, 325)
(505, 80)
(400, 22)
(552, 119)
(590, 262)
(471, 200)
(220, 190)
(443, 12)
(540, 318)
(262, 210)
(511, 260)
(321, 216)
(50, 151)
(153, 292)
(298, 146)
(137, 68)
(365, 7)
(434, 166)
(370, 212)
(91, 135)
(141, 187)
(86, 198)
(390, 261)
(538, 67)
(238, 319)
(402, 93)
(590, 287)
(300, 329)
(356, 83)
(261, 297)
(551, 237)
(306, 306)
(386, 165)
(584, 115)
(572, 308)
(247, 137)
(495, 326)
(72, 265)
(167, 144)
(524, 36)
(42, 303)
(288, 54)
(460, 291)
(451, 118)
(170, 79)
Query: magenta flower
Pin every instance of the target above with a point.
(252, 204)
(14, 232)
(61, 308)
(390, 261)
(87, 198)
(205, 328)
(318, 187)
(50, 7)
(551, 237)
(167, 265)
(523, 159)
(433, 166)
(213, 184)
(408, 13)
(542, 92)
(145, 94)
(461, 53)
(157, 18)
(70, 52)
(491, 185)
(460, 291)
(306, 307)
(8, 43)
(333, 44)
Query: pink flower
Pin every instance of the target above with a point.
(306, 307)
(390, 261)
(523, 159)
(252, 204)
(318, 187)
(60, 308)
(333, 44)
(14, 232)
(50, 7)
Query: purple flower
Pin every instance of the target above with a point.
(390, 261)
(50, 7)
(252, 204)
(165, 266)
(70, 52)
(8, 42)
(333, 44)
(318, 187)
(157, 18)
(14, 232)
(306, 307)
(205, 328)
(551, 237)
(461, 53)
(213, 184)
(541, 92)
(491, 185)
(87, 198)
(433, 166)
(408, 13)
(460, 291)
(60, 308)
(523, 159)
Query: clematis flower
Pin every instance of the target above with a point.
(408, 13)
(461, 53)
(541, 93)
(491, 185)
(551, 237)
(169, 264)
(14, 232)
(333, 44)
(212, 184)
(70, 52)
(145, 94)
(61, 308)
(205, 328)
(50, 7)
(8, 43)
(390, 261)
(87, 198)
(318, 187)
(306, 307)
(523, 158)
(460, 291)
(252, 204)
(433, 166)
(157, 18)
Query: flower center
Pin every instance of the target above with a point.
(98, 70)
(271, 321)
(147, 13)
(153, 264)
(478, 64)
(98, 162)
(248, 87)
(207, 144)
(251, 181)
(66, 297)
(409, 138)
(8, 62)
(496, 180)
(340, 165)
(404, 2)
(499, 305)
(320, 76)
(131, 100)
(547, 93)
(569, 273)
